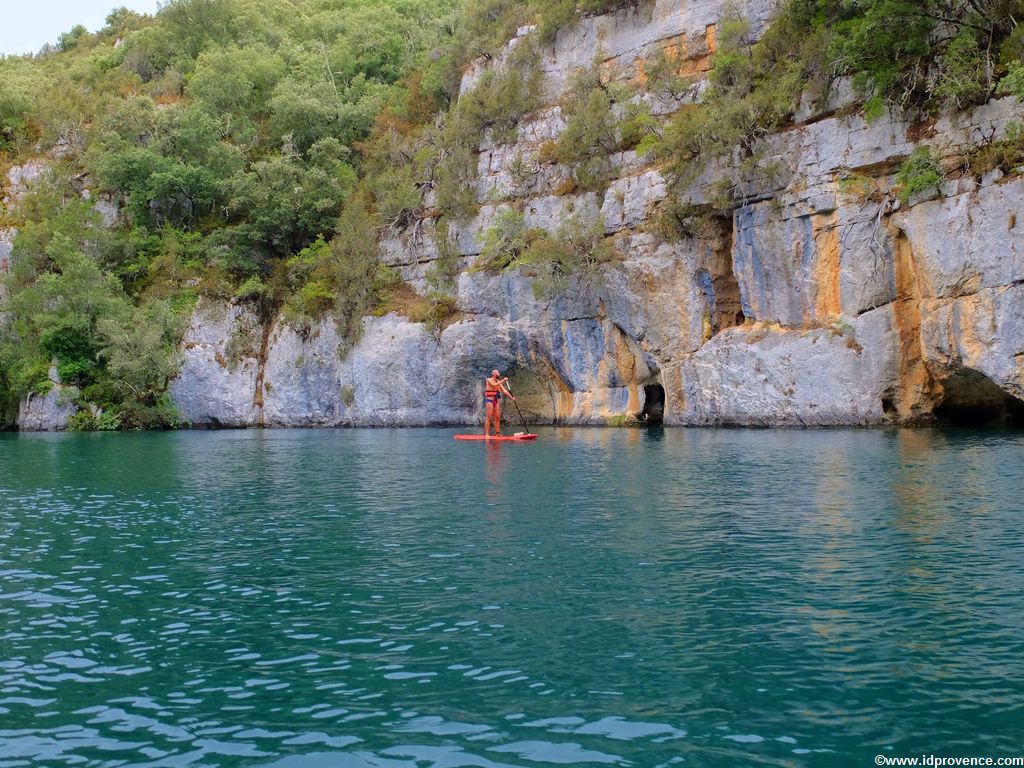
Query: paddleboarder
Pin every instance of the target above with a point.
(494, 388)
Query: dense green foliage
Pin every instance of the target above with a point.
(918, 174)
(68, 310)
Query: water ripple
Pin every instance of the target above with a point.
(388, 598)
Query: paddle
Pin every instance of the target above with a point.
(521, 419)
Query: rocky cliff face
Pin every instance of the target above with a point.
(812, 304)
(48, 412)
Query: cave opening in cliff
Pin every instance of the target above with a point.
(718, 280)
(971, 399)
(654, 404)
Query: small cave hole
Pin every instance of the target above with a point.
(971, 399)
(654, 404)
(889, 407)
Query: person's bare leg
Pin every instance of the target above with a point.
(488, 417)
(497, 418)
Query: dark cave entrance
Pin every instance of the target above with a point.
(971, 399)
(654, 405)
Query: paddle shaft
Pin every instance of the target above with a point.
(521, 419)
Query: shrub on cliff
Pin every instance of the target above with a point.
(591, 132)
(436, 311)
(1013, 83)
(753, 89)
(553, 15)
(963, 77)
(140, 356)
(505, 240)
(72, 313)
(575, 253)
(15, 110)
(67, 305)
(574, 256)
(443, 273)
(403, 163)
(1006, 154)
(344, 277)
(918, 174)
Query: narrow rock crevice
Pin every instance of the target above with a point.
(258, 400)
(718, 281)
(917, 387)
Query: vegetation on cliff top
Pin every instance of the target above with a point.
(903, 55)
(260, 149)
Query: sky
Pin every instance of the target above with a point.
(26, 26)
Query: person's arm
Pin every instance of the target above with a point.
(501, 386)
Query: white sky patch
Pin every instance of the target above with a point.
(27, 25)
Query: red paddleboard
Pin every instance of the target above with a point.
(496, 438)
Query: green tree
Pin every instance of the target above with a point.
(16, 108)
(139, 351)
(288, 202)
(71, 39)
(591, 131)
(57, 315)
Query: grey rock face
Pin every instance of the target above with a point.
(982, 332)
(841, 95)
(816, 272)
(108, 210)
(6, 246)
(20, 178)
(630, 36)
(968, 242)
(774, 376)
(302, 379)
(49, 412)
(966, 257)
(775, 259)
(397, 375)
(630, 201)
(217, 382)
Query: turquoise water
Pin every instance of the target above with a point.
(395, 599)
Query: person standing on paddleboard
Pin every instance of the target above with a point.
(494, 388)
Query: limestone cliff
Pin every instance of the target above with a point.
(811, 304)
